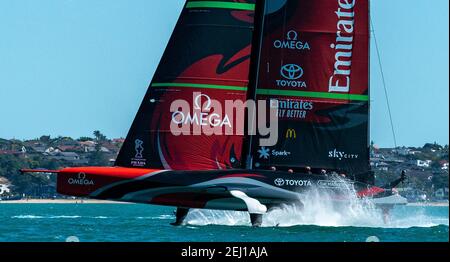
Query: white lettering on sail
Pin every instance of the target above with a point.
(200, 118)
(209, 118)
(291, 42)
(340, 80)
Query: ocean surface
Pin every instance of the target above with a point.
(145, 223)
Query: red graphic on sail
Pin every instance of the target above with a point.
(202, 152)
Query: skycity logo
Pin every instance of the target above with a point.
(291, 73)
(291, 42)
(81, 180)
(341, 155)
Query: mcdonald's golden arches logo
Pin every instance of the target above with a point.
(291, 133)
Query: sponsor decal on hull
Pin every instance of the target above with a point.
(280, 182)
(333, 184)
(81, 180)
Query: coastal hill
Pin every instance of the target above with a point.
(427, 166)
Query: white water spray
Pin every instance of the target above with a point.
(319, 209)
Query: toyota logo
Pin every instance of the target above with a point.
(279, 182)
(292, 71)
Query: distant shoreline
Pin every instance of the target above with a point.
(93, 201)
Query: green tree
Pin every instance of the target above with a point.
(99, 136)
(85, 138)
(98, 158)
(45, 139)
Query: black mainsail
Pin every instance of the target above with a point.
(208, 57)
(314, 68)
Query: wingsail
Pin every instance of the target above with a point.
(207, 58)
(314, 68)
(308, 59)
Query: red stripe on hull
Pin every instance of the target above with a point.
(120, 172)
(83, 181)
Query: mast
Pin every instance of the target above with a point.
(258, 37)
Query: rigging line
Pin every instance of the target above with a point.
(384, 83)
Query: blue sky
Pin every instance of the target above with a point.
(68, 67)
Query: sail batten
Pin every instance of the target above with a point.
(221, 4)
(201, 86)
(306, 94)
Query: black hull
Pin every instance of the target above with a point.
(212, 189)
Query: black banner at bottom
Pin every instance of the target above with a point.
(223, 251)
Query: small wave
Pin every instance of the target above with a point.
(290, 216)
(56, 217)
(64, 217)
(45, 217)
(28, 217)
(161, 217)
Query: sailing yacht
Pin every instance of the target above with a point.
(307, 61)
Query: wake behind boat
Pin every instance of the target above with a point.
(253, 103)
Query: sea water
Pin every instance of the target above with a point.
(317, 222)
